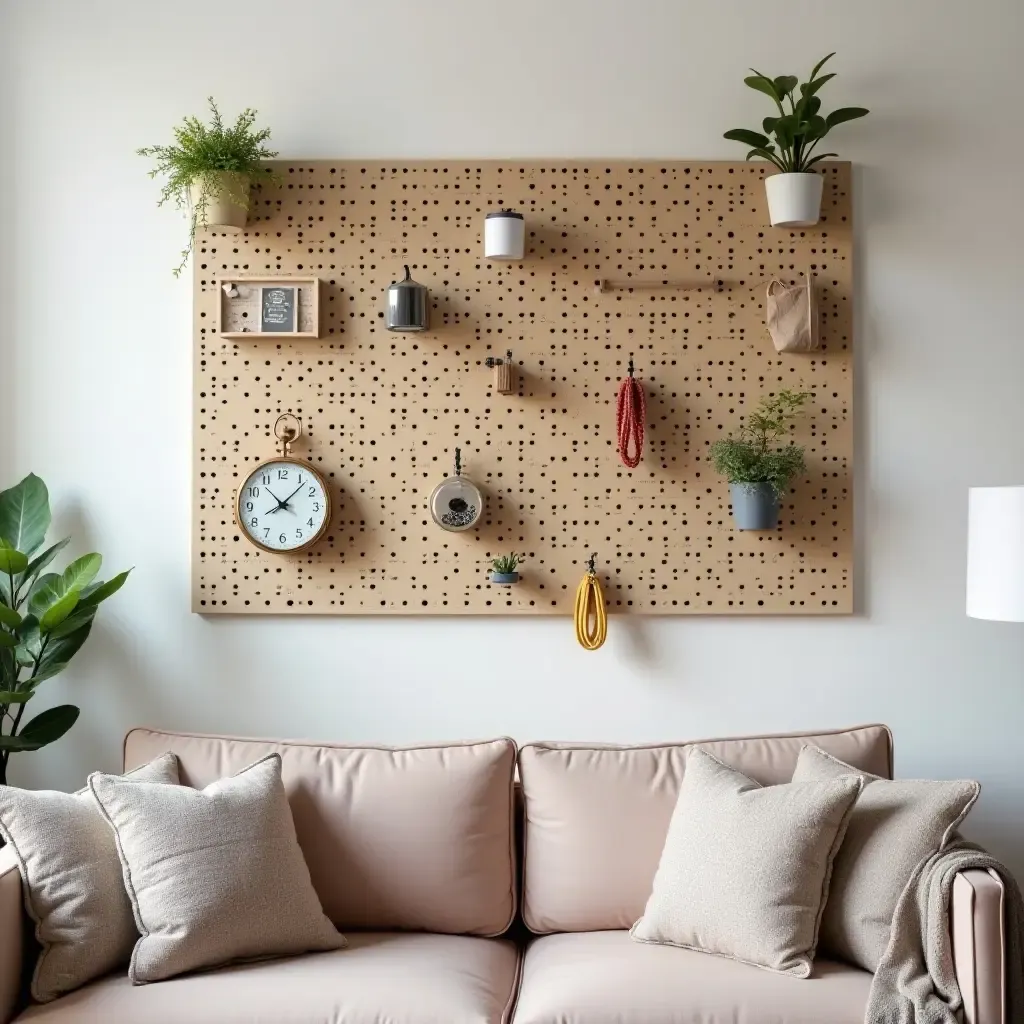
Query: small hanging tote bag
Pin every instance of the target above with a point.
(792, 317)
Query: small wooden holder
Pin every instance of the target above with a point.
(505, 378)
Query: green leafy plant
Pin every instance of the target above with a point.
(200, 156)
(507, 563)
(798, 130)
(45, 617)
(754, 455)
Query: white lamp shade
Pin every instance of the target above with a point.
(995, 553)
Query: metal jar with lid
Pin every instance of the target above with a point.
(504, 235)
(456, 503)
(408, 305)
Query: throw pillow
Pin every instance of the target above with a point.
(745, 869)
(213, 875)
(894, 826)
(71, 879)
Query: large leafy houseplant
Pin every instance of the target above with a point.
(211, 164)
(789, 139)
(756, 454)
(45, 617)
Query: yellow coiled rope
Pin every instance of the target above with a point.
(590, 614)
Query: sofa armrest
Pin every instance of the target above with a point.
(12, 935)
(979, 957)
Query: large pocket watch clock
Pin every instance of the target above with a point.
(283, 505)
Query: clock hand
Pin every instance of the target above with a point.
(284, 504)
(280, 504)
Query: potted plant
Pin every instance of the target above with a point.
(45, 617)
(210, 169)
(794, 194)
(758, 466)
(503, 569)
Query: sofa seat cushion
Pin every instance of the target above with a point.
(606, 978)
(398, 978)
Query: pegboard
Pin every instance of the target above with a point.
(383, 412)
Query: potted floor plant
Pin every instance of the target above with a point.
(503, 569)
(210, 170)
(756, 462)
(789, 140)
(45, 617)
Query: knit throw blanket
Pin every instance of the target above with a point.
(915, 983)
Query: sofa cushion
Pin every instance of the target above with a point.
(895, 825)
(214, 875)
(745, 869)
(596, 816)
(415, 838)
(72, 880)
(398, 978)
(605, 978)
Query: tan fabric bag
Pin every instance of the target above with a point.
(792, 316)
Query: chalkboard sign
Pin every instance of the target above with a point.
(278, 310)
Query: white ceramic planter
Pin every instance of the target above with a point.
(221, 213)
(794, 200)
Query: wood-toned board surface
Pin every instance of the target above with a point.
(383, 412)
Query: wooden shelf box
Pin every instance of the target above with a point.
(268, 307)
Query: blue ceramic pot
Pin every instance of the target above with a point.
(504, 579)
(754, 506)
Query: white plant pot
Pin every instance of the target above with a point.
(794, 200)
(221, 213)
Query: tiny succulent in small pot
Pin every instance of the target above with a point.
(45, 617)
(788, 141)
(503, 569)
(758, 466)
(209, 171)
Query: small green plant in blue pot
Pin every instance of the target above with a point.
(759, 462)
(503, 569)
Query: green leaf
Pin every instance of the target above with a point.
(761, 83)
(808, 89)
(768, 124)
(81, 572)
(81, 617)
(25, 514)
(747, 137)
(58, 653)
(9, 617)
(58, 611)
(8, 640)
(845, 114)
(12, 561)
(785, 84)
(45, 590)
(821, 63)
(16, 743)
(769, 155)
(97, 592)
(40, 562)
(818, 159)
(50, 725)
(15, 696)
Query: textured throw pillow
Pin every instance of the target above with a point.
(894, 826)
(213, 875)
(745, 869)
(71, 878)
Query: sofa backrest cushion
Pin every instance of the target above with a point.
(416, 838)
(596, 816)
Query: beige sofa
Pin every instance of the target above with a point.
(414, 855)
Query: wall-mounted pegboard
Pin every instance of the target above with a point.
(384, 412)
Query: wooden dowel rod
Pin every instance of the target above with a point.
(605, 286)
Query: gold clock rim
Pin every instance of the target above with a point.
(327, 497)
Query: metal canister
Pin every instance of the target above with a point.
(408, 305)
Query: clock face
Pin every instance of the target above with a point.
(283, 505)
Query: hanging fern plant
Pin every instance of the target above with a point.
(210, 162)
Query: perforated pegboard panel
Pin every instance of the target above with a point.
(383, 412)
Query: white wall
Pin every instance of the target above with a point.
(96, 357)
